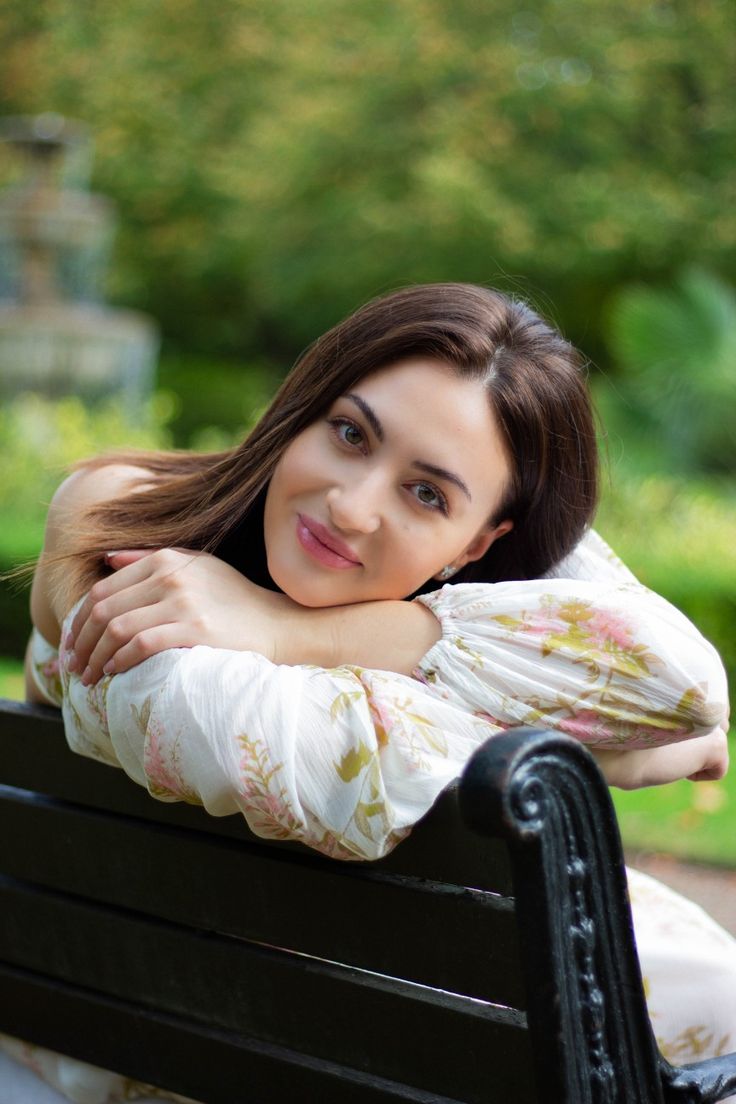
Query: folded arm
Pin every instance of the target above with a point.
(590, 653)
(345, 760)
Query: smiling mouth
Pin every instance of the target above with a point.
(323, 546)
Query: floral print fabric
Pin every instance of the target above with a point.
(601, 662)
(347, 760)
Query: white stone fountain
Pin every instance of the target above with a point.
(57, 336)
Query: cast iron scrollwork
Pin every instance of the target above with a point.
(544, 795)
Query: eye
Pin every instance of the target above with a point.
(430, 497)
(347, 432)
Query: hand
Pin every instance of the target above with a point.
(715, 758)
(171, 598)
(701, 759)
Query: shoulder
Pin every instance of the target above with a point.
(88, 487)
(80, 492)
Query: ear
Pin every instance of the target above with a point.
(478, 547)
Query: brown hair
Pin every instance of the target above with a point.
(535, 385)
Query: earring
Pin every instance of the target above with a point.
(447, 572)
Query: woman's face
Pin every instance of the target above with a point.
(395, 482)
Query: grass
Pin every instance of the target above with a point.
(693, 820)
(11, 679)
(687, 819)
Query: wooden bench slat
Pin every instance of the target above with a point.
(272, 896)
(182, 1055)
(35, 757)
(338, 1013)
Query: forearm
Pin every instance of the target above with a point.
(387, 636)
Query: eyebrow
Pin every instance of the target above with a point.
(422, 465)
(370, 414)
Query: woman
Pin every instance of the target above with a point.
(249, 646)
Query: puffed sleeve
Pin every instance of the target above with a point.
(344, 760)
(587, 650)
(44, 668)
(594, 560)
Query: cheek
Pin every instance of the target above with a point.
(295, 470)
(409, 562)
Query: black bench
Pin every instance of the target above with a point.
(488, 959)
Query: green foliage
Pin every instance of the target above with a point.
(40, 439)
(275, 164)
(11, 679)
(678, 348)
(214, 403)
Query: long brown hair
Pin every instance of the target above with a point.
(535, 383)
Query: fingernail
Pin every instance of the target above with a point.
(69, 641)
(73, 663)
(87, 676)
(109, 555)
(109, 667)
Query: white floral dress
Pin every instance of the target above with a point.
(347, 760)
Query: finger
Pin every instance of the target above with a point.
(147, 643)
(104, 589)
(127, 556)
(102, 614)
(144, 568)
(161, 561)
(707, 774)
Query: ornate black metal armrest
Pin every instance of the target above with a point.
(545, 796)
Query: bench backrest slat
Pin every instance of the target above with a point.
(329, 1011)
(35, 756)
(287, 899)
(178, 1052)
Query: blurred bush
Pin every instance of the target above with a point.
(39, 440)
(677, 348)
(672, 409)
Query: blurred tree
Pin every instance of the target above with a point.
(278, 163)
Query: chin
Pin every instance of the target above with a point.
(305, 591)
(313, 601)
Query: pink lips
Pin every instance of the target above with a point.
(320, 543)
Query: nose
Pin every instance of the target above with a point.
(357, 506)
